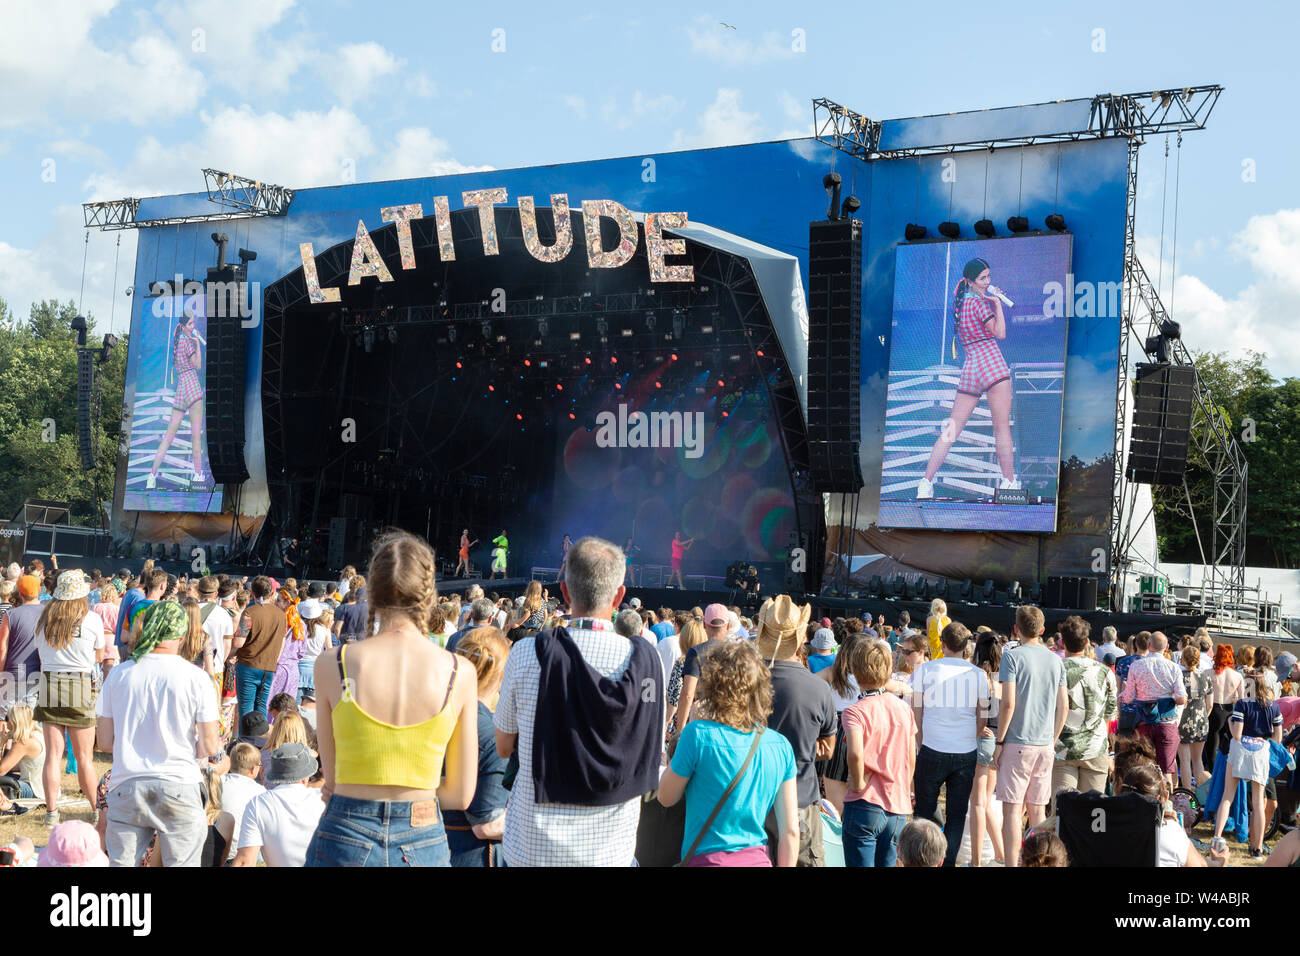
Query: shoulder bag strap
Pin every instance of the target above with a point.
(753, 748)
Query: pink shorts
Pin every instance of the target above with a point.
(750, 856)
(1025, 774)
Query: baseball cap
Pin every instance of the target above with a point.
(1284, 664)
(73, 843)
(635, 602)
(29, 586)
(715, 615)
(824, 639)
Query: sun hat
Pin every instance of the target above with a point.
(29, 586)
(780, 618)
(72, 586)
(290, 763)
(73, 843)
(310, 609)
(824, 639)
(715, 615)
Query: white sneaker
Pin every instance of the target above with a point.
(924, 489)
(151, 482)
(1010, 484)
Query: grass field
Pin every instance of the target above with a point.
(32, 824)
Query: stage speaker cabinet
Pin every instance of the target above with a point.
(1052, 596)
(834, 345)
(85, 420)
(1087, 594)
(224, 392)
(1162, 422)
(337, 543)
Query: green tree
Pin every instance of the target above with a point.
(38, 411)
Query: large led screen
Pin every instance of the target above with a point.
(976, 383)
(167, 465)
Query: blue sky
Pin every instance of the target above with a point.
(101, 99)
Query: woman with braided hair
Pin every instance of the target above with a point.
(391, 711)
(977, 313)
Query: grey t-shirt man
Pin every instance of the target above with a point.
(1037, 673)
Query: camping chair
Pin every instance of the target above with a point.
(1109, 831)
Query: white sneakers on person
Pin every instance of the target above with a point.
(924, 489)
(151, 482)
(1010, 484)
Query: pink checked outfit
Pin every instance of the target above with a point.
(188, 390)
(984, 366)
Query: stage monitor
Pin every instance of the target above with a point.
(168, 380)
(976, 382)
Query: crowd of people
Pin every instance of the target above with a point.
(373, 722)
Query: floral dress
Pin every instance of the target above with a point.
(1194, 725)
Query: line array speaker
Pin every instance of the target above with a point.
(85, 421)
(225, 397)
(834, 344)
(1162, 421)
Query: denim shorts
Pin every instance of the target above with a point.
(984, 751)
(356, 832)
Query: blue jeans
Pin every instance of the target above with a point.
(933, 770)
(253, 687)
(468, 850)
(870, 834)
(306, 678)
(354, 832)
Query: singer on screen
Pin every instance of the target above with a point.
(189, 398)
(977, 313)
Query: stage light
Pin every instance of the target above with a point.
(984, 227)
(627, 333)
(949, 230)
(658, 385)
(914, 232)
(602, 327)
(679, 324)
(850, 205)
(650, 321)
(1014, 593)
(759, 353)
(486, 329)
(875, 588)
(673, 356)
(559, 387)
(574, 336)
(528, 363)
(967, 590)
(492, 388)
(392, 335)
(451, 334)
(500, 339)
(707, 329)
(458, 365)
(1018, 224)
(987, 591)
(618, 385)
(572, 417)
(721, 384)
(726, 414)
(613, 360)
(1055, 222)
(587, 359)
(368, 339)
(518, 417)
(542, 328)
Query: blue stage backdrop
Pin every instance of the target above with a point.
(767, 193)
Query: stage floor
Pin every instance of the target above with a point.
(966, 515)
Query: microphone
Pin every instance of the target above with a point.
(994, 290)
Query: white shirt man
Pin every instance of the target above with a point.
(279, 823)
(238, 788)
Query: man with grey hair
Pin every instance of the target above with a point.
(921, 844)
(629, 623)
(481, 613)
(13, 571)
(603, 740)
(1108, 644)
(1155, 685)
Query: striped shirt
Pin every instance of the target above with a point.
(556, 834)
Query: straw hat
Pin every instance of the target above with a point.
(781, 620)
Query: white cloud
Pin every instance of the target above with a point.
(49, 64)
(577, 104)
(354, 69)
(421, 86)
(716, 43)
(1261, 317)
(723, 123)
(644, 109)
(240, 44)
(78, 152)
(416, 152)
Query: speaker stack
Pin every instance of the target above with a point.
(225, 395)
(1162, 421)
(85, 396)
(834, 343)
(1074, 593)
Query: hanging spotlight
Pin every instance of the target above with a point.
(679, 324)
(1055, 222)
(913, 232)
(542, 328)
(368, 339)
(1018, 224)
(650, 321)
(602, 327)
(984, 227)
(451, 334)
(486, 328)
(949, 230)
(392, 335)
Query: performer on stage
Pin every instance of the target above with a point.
(565, 545)
(463, 553)
(680, 547)
(630, 551)
(189, 398)
(977, 313)
(501, 548)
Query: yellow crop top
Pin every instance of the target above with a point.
(372, 753)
